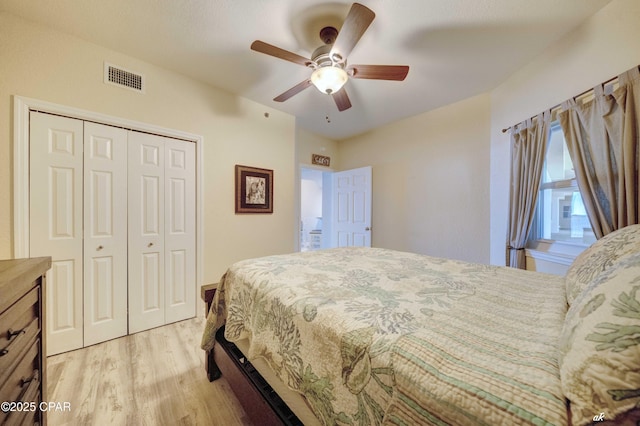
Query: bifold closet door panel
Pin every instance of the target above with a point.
(146, 214)
(105, 233)
(180, 230)
(55, 222)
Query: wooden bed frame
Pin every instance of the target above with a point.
(261, 403)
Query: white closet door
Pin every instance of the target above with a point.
(105, 233)
(146, 231)
(55, 218)
(180, 229)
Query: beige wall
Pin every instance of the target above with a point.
(430, 180)
(308, 143)
(600, 48)
(38, 63)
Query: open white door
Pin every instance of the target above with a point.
(351, 208)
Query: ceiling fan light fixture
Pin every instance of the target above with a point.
(329, 79)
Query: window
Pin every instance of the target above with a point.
(561, 215)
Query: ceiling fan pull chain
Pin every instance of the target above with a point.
(329, 106)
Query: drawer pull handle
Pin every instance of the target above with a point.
(11, 333)
(33, 377)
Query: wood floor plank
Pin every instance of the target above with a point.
(155, 377)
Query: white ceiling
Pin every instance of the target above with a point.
(455, 48)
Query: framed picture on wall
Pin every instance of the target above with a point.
(254, 190)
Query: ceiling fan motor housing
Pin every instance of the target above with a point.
(322, 57)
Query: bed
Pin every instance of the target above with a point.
(376, 336)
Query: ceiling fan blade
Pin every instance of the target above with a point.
(356, 23)
(342, 99)
(269, 49)
(379, 72)
(293, 91)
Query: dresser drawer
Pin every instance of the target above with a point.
(30, 413)
(19, 326)
(23, 380)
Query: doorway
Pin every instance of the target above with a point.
(315, 208)
(335, 208)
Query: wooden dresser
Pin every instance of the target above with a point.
(22, 333)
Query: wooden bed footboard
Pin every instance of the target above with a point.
(261, 403)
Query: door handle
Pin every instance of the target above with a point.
(99, 248)
(150, 245)
(368, 228)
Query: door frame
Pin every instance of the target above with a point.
(21, 108)
(326, 201)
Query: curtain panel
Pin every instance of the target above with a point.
(604, 143)
(528, 148)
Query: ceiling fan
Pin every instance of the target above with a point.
(329, 62)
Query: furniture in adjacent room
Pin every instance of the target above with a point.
(315, 239)
(22, 338)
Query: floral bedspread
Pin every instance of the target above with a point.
(373, 336)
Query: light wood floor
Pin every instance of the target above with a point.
(155, 377)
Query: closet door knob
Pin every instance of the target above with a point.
(150, 245)
(99, 248)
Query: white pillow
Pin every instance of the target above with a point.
(600, 346)
(598, 257)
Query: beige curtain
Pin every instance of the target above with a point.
(528, 148)
(603, 140)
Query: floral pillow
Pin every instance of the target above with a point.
(599, 256)
(600, 346)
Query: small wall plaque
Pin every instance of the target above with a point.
(320, 160)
